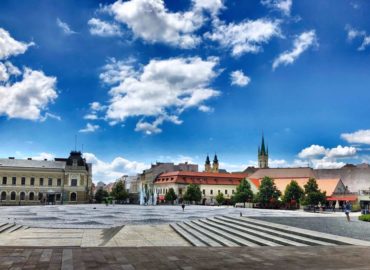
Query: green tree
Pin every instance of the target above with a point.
(100, 194)
(243, 192)
(313, 195)
(170, 195)
(119, 192)
(193, 193)
(268, 193)
(220, 198)
(293, 192)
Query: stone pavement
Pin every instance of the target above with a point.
(186, 258)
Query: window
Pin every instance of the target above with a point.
(58, 196)
(74, 163)
(232, 191)
(3, 196)
(73, 196)
(32, 182)
(23, 181)
(14, 181)
(59, 182)
(180, 191)
(219, 191)
(41, 181)
(31, 197)
(50, 181)
(225, 191)
(12, 196)
(22, 196)
(211, 191)
(74, 182)
(40, 195)
(5, 180)
(204, 192)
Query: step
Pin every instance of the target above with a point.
(14, 228)
(331, 238)
(235, 239)
(2, 224)
(257, 240)
(206, 240)
(290, 236)
(6, 227)
(215, 237)
(188, 237)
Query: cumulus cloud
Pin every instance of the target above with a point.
(89, 128)
(300, 44)
(353, 33)
(160, 90)
(65, 27)
(103, 29)
(283, 6)
(239, 78)
(11, 47)
(312, 151)
(245, 37)
(341, 151)
(44, 155)
(361, 136)
(151, 21)
(110, 171)
(27, 98)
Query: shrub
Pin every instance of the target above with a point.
(356, 207)
(364, 217)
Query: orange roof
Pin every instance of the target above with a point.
(202, 178)
(328, 185)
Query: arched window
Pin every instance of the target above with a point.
(73, 197)
(22, 196)
(12, 196)
(31, 196)
(3, 196)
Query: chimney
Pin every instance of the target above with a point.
(29, 158)
(11, 157)
(45, 159)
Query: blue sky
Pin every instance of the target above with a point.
(141, 81)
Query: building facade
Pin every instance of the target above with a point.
(58, 181)
(211, 184)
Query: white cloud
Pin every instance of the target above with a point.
(353, 33)
(245, 37)
(89, 128)
(301, 44)
(239, 78)
(65, 27)
(283, 6)
(162, 90)
(341, 151)
(96, 106)
(50, 115)
(7, 69)
(43, 156)
(326, 163)
(312, 151)
(151, 21)
(116, 71)
(110, 171)
(91, 116)
(103, 29)
(360, 136)
(10, 47)
(27, 98)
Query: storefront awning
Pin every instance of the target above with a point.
(342, 198)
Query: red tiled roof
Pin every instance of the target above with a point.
(203, 178)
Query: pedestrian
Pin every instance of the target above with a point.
(347, 209)
(183, 206)
(334, 203)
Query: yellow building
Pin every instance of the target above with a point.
(62, 180)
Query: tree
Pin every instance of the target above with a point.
(268, 193)
(293, 192)
(193, 193)
(119, 192)
(243, 192)
(100, 195)
(220, 198)
(313, 195)
(170, 195)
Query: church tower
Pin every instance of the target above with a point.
(215, 164)
(263, 155)
(207, 165)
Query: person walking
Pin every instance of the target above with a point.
(183, 207)
(347, 209)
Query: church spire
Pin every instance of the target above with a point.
(263, 154)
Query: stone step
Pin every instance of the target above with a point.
(245, 234)
(14, 228)
(201, 237)
(6, 227)
(214, 236)
(188, 237)
(330, 238)
(289, 236)
(240, 240)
